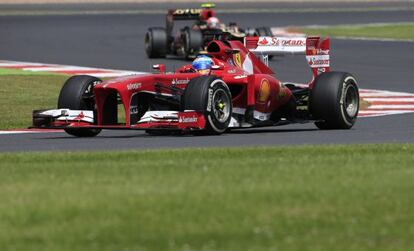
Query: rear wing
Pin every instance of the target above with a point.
(185, 14)
(202, 14)
(315, 49)
(198, 14)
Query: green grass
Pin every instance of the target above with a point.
(404, 31)
(20, 94)
(282, 198)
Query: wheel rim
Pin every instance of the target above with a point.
(351, 101)
(221, 109)
(88, 95)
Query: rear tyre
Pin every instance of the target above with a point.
(210, 95)
(77, 94)
(192, 42)
(156, 42)
(334, 100)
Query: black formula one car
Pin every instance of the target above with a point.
(188, 41)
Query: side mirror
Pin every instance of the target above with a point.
(159, 67)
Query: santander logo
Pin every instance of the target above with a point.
(80, 116)
(263, 41)
(288, 42)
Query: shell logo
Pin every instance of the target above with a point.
(264, 91)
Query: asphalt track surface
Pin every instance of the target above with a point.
(116, 41)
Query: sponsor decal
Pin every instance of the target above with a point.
(263, 41)
(80, 116)
(180, 81)
(322, 52)
(231, 71)
(264, 91)
(134, 86)
(237, 59)
(210, 98)
(317, 61)
(314, 51)
(293, 42)
(274, 41)
(183, 119)
(311, 48)
(187, 11)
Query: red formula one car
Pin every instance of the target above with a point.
(240, 91)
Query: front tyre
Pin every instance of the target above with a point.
(212, 96)
(334, 100)
(77, 94)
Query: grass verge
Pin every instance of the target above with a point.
(404, 31)
(291, 198)
(20, 94)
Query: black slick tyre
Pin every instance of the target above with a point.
(156, 42)
(210, 95)
(334, 100)
(77, 94)
(192, 42)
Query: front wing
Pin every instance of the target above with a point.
(66, 118)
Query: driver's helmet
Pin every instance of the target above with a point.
(213, 23)
(202, 64)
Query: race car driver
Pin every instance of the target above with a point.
(202, 64)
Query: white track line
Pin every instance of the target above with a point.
(60, 68)
(390, 107)
(53, 68)
(4, 132)
(114, 74)
(384, 99)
